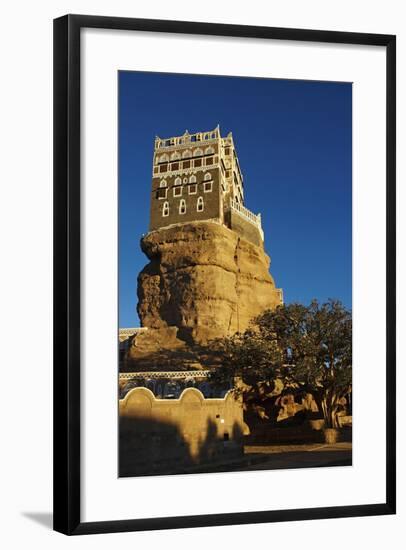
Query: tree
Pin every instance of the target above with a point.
(309, 348)
(250, 358)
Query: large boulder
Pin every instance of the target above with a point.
(205, 280)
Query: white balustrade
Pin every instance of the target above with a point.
(247, 214)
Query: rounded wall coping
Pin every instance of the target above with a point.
(148, 393)
(229, 395)
(141, 390)
(190, 391)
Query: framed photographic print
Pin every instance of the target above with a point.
(196, 382)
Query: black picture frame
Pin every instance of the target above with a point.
(67, 296)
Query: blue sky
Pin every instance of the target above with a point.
(294, 143)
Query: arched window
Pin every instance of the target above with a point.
(200, 204)
(209, 151)
(162, 190)
(182, 206)
(186, 154)
(175, 156)
(192, 179)
(207, 184)
(165, 209)
(197, 153)
(164, 158)
(178, 181)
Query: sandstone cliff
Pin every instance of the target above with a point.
(203, 279)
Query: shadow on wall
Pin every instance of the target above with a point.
(177, 436)
(149, 447)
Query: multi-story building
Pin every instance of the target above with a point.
(197, 177)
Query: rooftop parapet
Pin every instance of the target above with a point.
(186, 138)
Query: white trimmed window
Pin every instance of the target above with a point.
(175, 156)
(200, 204)
(186, 154)
(178, 181)
(165, 209)
(163, 158)
(209, 151)
(207, 184)
(192, 179)
(182, 206)
(177, 191)
(197, 153)
(193, 189)
(162, 190)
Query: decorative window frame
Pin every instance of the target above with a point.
(165, 209)
(200, 205)
(182, 207)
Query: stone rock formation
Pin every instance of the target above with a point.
(203, 281)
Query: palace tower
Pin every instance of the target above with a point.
(197, 177)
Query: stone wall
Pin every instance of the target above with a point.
(211, 199)
(243, 227)
(204, 279)
(174, 435)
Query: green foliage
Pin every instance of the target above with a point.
(309, 348)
